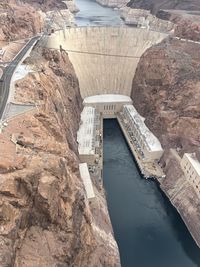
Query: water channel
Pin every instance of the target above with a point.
(148, 230)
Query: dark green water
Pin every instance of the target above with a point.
(148, 230)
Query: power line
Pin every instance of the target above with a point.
(91, 53)
(110, 55)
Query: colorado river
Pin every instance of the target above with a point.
(148, 230)
(92, 14)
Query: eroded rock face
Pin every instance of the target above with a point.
(46, 5)
(156, 5)
(181, 16)
(45, 217)
(187, 23)
(19, 21)
(166, 91)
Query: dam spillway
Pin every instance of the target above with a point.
(104, 58)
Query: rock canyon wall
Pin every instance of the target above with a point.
(167, 76)
(155, 5)
(19, 21)
(45, 217)
(166, 91)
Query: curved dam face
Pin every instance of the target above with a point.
(104, 58)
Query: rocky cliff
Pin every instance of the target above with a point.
(187, 23)
(47, 5)
(184, 14)
(156, 5)
(166, 90)
(45, 217)
(19, 21)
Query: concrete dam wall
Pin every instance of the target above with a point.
(104, 58)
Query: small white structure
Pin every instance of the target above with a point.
(85, 175)
(146, 142)
(191, 167)
(88, 135)
(107, 104)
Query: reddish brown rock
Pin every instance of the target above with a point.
(19, 21)
(156, 5)
(166, 90)
(45, 217)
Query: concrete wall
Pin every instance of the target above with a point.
(191, 168)
(115, 53)
(109, 109)
(146, 143)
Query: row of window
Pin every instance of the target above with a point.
(109, 107)
(195, 181)
(188, 168)
(134, 128)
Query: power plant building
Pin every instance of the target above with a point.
(109, 105)
(191, 168)
(88, 135)
(146, 142)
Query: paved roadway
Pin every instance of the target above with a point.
(8, 73)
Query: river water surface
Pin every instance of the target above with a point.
(92, 14)
(148, 230)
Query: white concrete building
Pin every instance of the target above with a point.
(88, 135)
(145, 141)
(191, 169)
(107, 104)
(85, 175)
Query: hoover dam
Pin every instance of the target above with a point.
(99, 136)
(105, 58)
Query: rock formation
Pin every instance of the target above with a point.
(46, 5)
(168, 77)
(187, 23)
(156, 5)
(45, 217)
(19, 21)
(166, 91)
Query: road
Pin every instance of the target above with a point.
(6, 78)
